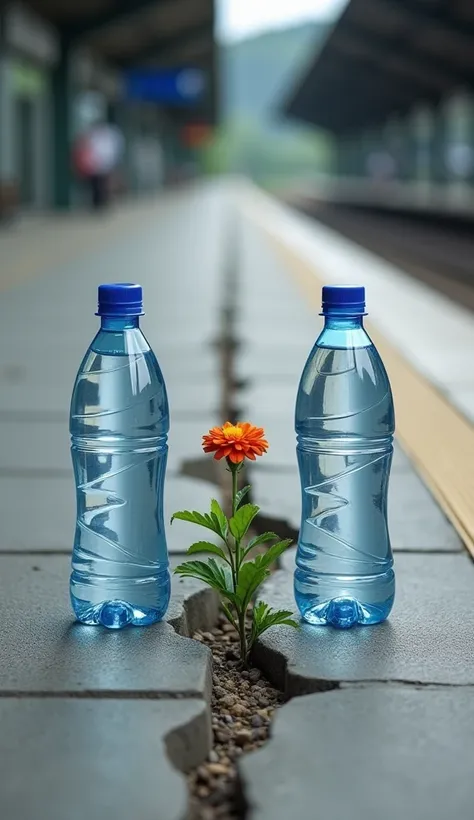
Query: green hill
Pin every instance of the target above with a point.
(257, 73)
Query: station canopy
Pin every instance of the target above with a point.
(134, 34)
(383, 57)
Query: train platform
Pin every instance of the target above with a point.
(231, 283)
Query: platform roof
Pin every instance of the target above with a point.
(136, 33)
(383, 57)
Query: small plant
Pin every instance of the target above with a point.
(235, 576)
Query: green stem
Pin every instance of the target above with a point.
(234, 468)
(235, 487)
(232, 567)
(243, 638)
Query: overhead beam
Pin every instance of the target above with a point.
(121, 10)
(357, 110)
(166, 48)
(412, 13)
(383, 58)
(416, 60)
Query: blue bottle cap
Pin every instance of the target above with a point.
(120, 299)
(344, 300)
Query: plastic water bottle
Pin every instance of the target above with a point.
(119, 427)
(344, 425)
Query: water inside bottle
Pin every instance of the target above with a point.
(119, 425)
(345, 425)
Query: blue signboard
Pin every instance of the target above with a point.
(184, 86)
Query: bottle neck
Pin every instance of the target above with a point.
(343, 332)
(334, 322)
(119, 323)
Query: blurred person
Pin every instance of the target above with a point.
(97, 155)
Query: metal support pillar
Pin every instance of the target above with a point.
(62, 127)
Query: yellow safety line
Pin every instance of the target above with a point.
(438, 439)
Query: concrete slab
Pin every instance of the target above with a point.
(366, 753)
(111, 759)
(44, 652)
(193, 399)
(39, 513)
(415, 520)
(428, 638)
(188, 363)
(40, 448)
(268, 361)
(185, 439)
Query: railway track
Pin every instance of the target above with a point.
(436, 251)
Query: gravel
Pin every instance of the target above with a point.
(243, 704)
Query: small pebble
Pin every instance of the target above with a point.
(242, 705)
(203, 774)
(219, 691)
(222, 735)
(243, 737)
(217, 769)
(239, 710)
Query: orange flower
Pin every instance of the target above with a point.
(235, 442)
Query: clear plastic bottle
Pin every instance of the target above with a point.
(119, 427)
(344, 425)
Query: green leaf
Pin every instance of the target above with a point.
(240, 522)
(195, 517)
(250, 576)
(241, 495)
(264, 617)
(273, 553)
(260, 539)
(207, 547)
(210, 573)
(218, 516)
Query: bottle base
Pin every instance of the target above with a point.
(115, 614)
(343, 613)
